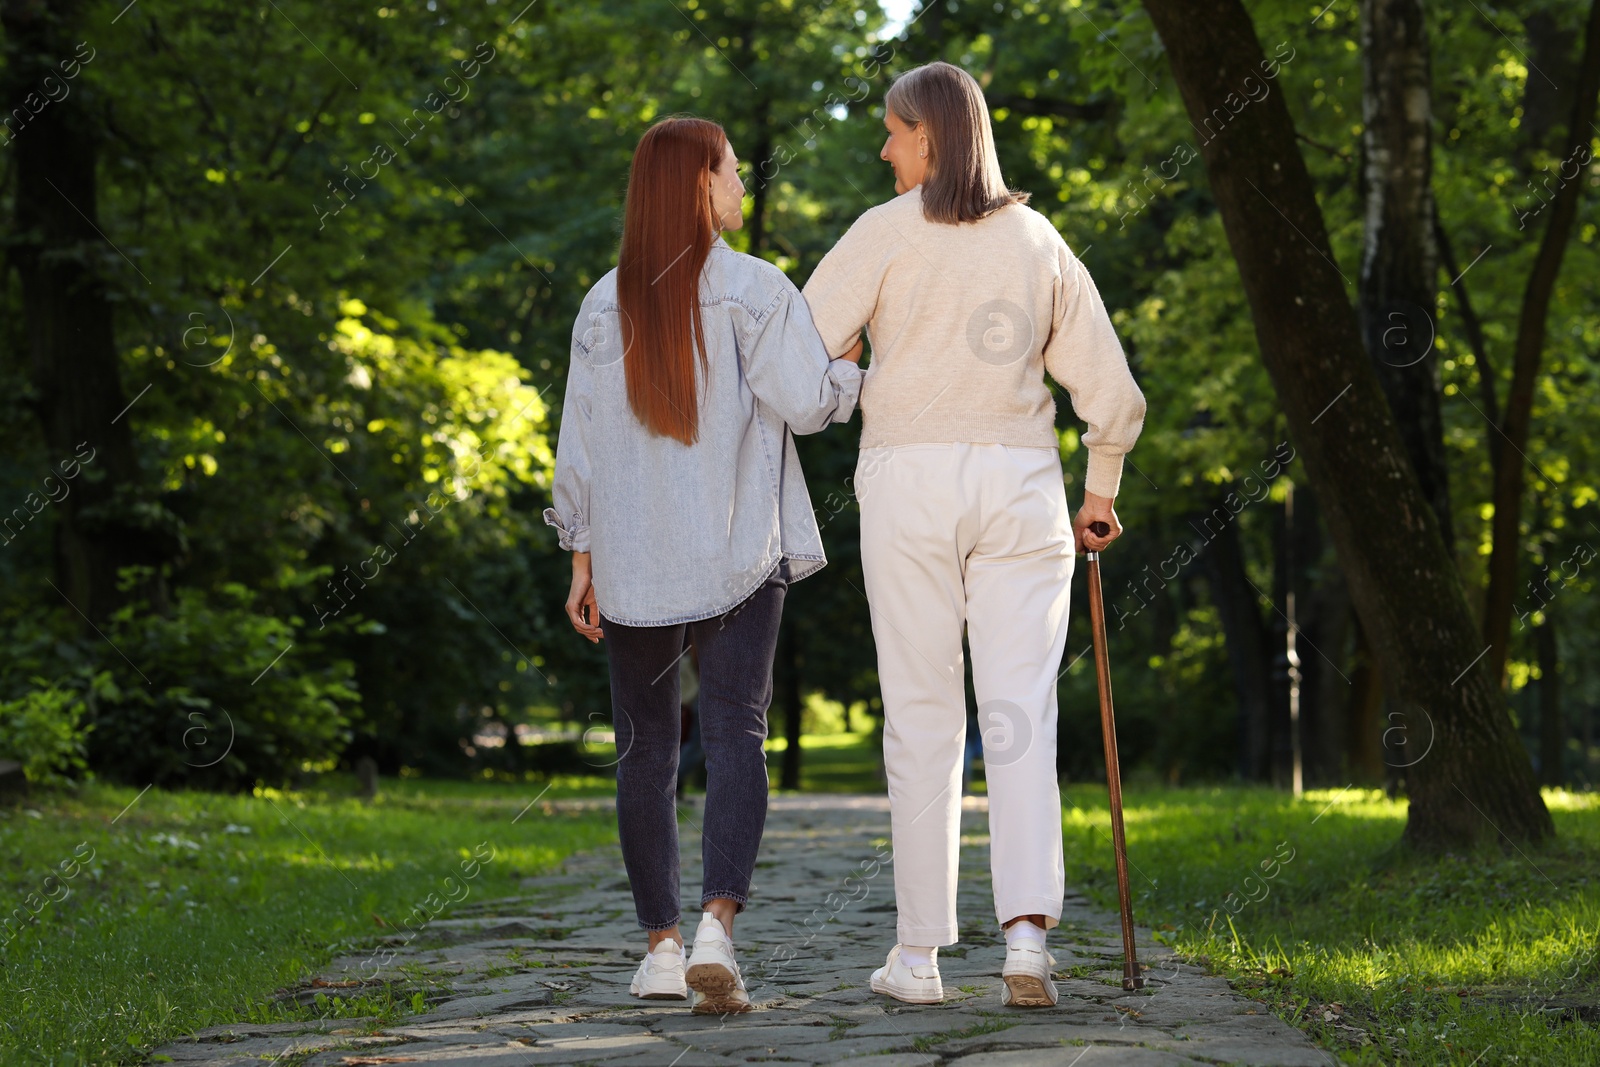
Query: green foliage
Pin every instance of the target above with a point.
(348, 362)
(44, 731)
(205, 696)
(211, 694)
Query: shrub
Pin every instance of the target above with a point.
(218, 696)
(44, 731)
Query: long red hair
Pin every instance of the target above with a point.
(667, 230)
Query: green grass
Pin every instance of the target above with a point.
(189, 910)
(1435, 961)
(844, 762)
(831, 763)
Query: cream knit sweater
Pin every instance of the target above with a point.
(964, 320)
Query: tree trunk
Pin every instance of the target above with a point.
(1364, 716)
(789, 692)
(1246, 638)
(1323, 618)
(1586, 736)
(1476, 781)
(1546, 96)
(1552, 732)
(1399, 264)
(1472, 326)
(62, 261)
(1508, 476)
(1283, 669)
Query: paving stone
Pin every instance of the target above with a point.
(456, 1032)
(480, 1006)
(489, 1055)
(599, 1048)
(687, 1058)
(852, 1047)
(583, 1030)
(243, 1053)
(230, 1031)
(822, 918)
(1251, 1053)
(681, 1022)
(738, 1033)
(1046, 1035)
(1067, 1055)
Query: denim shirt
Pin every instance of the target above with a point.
(683, 532)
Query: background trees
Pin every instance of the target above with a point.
(330, 253)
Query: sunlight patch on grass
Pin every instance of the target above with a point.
(190, 909)
(1313, 902)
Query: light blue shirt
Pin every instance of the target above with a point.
(685, 532)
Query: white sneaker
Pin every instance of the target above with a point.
(1027, 976)
(660, 974)
(914, 985)
(713, 973)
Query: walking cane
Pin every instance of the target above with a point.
(1108, 729)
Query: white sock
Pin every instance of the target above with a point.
(1023, 930)
(917, 956)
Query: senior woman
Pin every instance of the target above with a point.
(968, 297)
(679, 492)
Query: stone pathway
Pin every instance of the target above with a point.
(542, 978)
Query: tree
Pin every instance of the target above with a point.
(1476, 782)
(1529, 353)
(1400, 262)
(71, 276)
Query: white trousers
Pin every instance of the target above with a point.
(976, 535)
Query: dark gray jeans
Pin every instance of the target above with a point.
(736, 651)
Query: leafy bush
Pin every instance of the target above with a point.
(213, 693)
(219, 696)
(44, 731)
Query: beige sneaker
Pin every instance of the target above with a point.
(1027, 976)
(914, 985)
(660, 974)
(713, 973)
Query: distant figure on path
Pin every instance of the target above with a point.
(678, 490)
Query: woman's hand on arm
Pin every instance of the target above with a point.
(1095, 509)
(854, 354)
(581, 607)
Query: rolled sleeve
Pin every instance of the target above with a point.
(788, 367)
(574, 536)
(570, 492)
(1084, 355)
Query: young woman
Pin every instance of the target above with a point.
(968, 297)
(679, 492)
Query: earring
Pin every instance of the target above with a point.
(924, 152)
